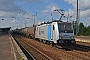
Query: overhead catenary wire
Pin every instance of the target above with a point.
(32, 5)
(42, 12)
(29, 7)
(68, 5)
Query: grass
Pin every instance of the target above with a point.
(21, 58)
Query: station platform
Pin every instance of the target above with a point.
(8, 49)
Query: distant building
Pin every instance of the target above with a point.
(5, 30)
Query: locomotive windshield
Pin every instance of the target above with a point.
(65, 28)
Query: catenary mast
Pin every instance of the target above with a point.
(77, 19)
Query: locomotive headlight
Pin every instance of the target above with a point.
(72, 41)
(61, 41)
(60, 37)
(72, 37)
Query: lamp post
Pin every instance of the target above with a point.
(34, 18)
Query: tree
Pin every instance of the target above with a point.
(81, 29)
(88, 30)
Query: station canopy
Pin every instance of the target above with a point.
(5, 30)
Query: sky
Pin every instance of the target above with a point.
(21, 13)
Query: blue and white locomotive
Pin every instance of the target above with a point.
(60, 33)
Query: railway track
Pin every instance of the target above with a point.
(80, 52)
(28, 55)
(32, 51)
(79, 55)
(81, 47)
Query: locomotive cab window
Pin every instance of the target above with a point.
(65, 27)
(53, 27)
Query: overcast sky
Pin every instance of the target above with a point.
(18, 13)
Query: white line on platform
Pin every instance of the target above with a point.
(19, 50)
(12, 49)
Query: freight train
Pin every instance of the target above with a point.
(53, 33)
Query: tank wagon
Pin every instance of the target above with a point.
(31, 32)
(60, 33)
(27, 32)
